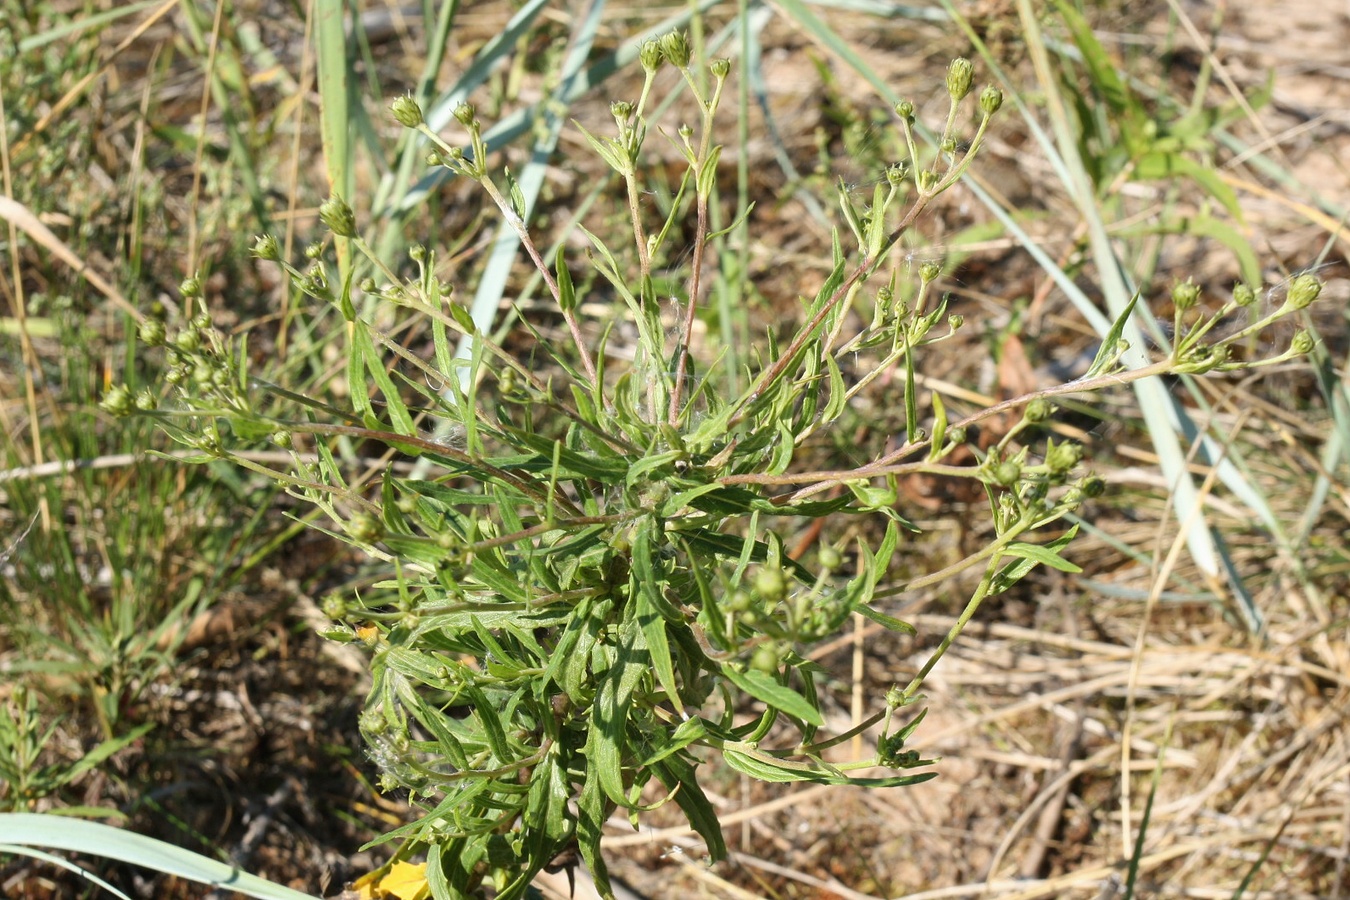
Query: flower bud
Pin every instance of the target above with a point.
(406, 111)
(1185, 295)
(960, 75)
(896, 174)
(434, 158)
(764, 659)
(189, 340)
(929, 271)
(948, 145)
(146, 401)
(927, 180)
(991, 99)
(336, 607)
(650, 55)
(417, 253)
(675, 48)
(372, 720)
(830, 558)
(209, 440)
(1244, 294)
(1038, 410)
(955, 322)
(1064, 457)
(338, 216)
(905, 110)
(283, 439)
(266, 247)
(1303, 290)
(622, 111)
(117, 401)
(956, 435)
(1006, 473)
(190, 286)
(367, 285)
(720, 68)
(770, 584)
(365, 528)
(1302, 343)
(464, 114)
(1092, 486)
(152, 332)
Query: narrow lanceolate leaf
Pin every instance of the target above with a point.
(838, 392)
(767, 768)
(658, 645)
(763, 686)
(567, 294)
(1042, 554)
(606, 745)
(678, 775)
(1110, 350)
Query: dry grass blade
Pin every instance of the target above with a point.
(22, 218)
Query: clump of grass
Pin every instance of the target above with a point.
(589, 586)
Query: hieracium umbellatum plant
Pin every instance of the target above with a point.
(590, 597)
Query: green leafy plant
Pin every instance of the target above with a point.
(589, 594)
(30, 770)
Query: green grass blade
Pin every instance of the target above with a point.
(330, 42)
(70, 30)
(94, 839)
(62, 863)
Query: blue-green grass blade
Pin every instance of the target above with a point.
(30, 830)
(61, 863)
(487, 298)
(520, 122)
(1162, 416)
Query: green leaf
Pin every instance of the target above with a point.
(1109, 351)
(567, 294)
(1042, 554)
(1029, 555)
(939, 427)
(686, 733)
(1157, 165)
(1102, 72)
(678, 775)
(707, 175)
(652, 611)
(606, 743)
(767, 768)
(763, 686)
(838, 392)
(889, 622)
(782, 452)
